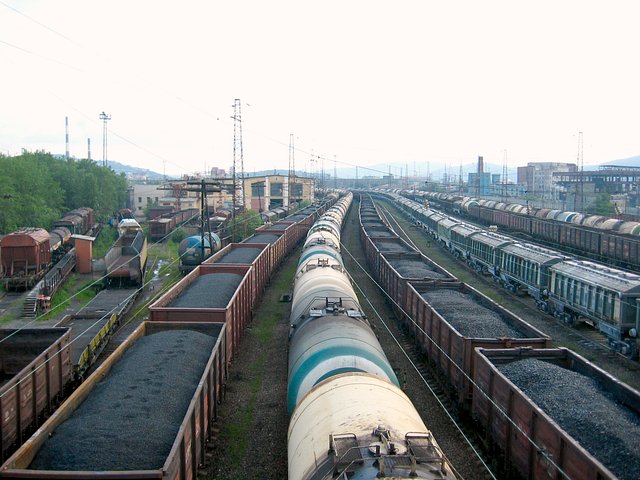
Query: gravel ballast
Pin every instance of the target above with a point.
(241, 255)
(606, 429)
(208, 291)
(131, 418)
(469, 318)
(262, 238)
(414, 269)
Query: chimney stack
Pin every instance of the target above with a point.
(480, 165)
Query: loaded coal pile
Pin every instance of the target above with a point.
(131, 418)
(384, 246)
(276, 227)
(241, 255)
(379, 233)
(208, 291)
(606, 429)
(467, 316)
(414, 269)
(296, 218)
(262, 238)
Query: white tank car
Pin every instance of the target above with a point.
(361, 427)
(319, 286)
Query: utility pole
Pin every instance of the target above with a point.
(88, 149)
(335, 174)
(105, 117)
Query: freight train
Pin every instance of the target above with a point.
(342, 391)
(111, 444)
(26, 255)
(193, 251)
(601, 238)
(126, 260)
(162, 226)
(570, 289)
(530, 403)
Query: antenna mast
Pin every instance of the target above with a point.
(580, 172)
(292, 171)
(105, 117)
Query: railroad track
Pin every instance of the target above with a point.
(440, 389)
(584, 335)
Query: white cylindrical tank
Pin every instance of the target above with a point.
(355, 404)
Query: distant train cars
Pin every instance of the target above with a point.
(126, 260)
(27, 254)
(570, 289)
(162, 226)
(601, 238)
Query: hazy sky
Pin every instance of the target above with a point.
(364, 81)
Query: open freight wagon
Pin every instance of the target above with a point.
(448, 320)
(160, 426)
(210, 293)
(569, 418)
(35, 368)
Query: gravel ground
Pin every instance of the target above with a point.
(241, 255)
(414, 269)
(208, 291)
(606, 429)
(131, 418)
(262, 238)
(467, 317)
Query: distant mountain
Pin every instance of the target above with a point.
(625, 162)
(133, 171)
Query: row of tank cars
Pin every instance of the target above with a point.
(606, 239)
(545, 412)
(167, 377)
(570, 289)
(342, 392)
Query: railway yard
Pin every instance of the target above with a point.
(206, 374)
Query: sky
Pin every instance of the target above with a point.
(355, 82)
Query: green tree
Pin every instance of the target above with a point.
(603, 205)
(37, 188)
(244, 225)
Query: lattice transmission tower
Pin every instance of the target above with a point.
(238, 156)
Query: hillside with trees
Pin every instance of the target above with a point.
(37, 188)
